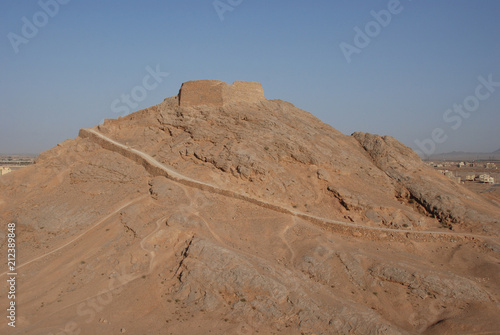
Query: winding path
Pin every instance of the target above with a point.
(151, 252)
(285, 240)
(81, 234)
(156, 168)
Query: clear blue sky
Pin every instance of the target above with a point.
(429, 56)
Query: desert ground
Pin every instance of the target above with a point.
(235, 214)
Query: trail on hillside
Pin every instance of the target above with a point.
(98, 223)
(140, 156)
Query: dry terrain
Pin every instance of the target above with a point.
(490, 168)
(220, 212)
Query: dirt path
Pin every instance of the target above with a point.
(285, 240)
(151, 252)
(81, 234)
(146, 159)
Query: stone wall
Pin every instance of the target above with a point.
(218, 93)
(156, 168)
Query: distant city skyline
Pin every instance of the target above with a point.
(425, 72)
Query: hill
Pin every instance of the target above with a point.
(219, 211)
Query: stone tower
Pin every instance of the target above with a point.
(219, 93)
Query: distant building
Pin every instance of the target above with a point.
(470, 177)
(461, 164)
(4, 170)
(486, 178)
(490, 166)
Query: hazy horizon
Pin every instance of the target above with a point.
(424, 72)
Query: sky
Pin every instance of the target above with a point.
(426, 72)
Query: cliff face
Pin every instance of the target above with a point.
(220, 210)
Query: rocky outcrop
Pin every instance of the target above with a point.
(428, 284)
(216, 277)
(441, 197)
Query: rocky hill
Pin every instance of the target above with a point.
(218, 211)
